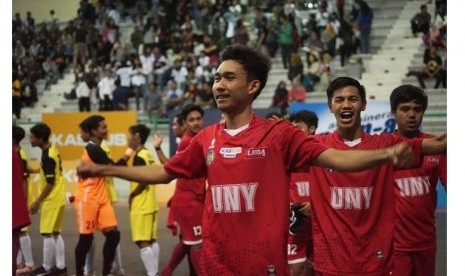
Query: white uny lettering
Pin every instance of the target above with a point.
(231, 199)
(367, 192)
(217, 195)
(227, 198)
(351, 198)
(414, 186)
(303, 188)
(248, 191)
(336, 198)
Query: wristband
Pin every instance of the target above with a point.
(157, 148)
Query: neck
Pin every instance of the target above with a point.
(96, 140)
(237, 120)
(409, 134)
(45, 146)
(350, 134)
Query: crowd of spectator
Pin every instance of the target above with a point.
(177, 43)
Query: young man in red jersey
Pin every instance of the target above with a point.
(188, 199)
(353, 213)
(415, 190)
(247, 161)
(300, 242)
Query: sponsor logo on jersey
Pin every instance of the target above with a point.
(211, 153)
(379, 253)
(230, 152)
(256, 153)
(433, 159)
(210, 156)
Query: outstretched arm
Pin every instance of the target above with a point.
(436, 145)
(357, 160)
(151, 174)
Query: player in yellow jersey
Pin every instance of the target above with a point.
(143, 205)
(51, 201)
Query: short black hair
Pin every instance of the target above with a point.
(190, 108)
(407, 93)
(342, 82)
(143, 131)
(306, 116)
(18, 134)
(256, 65)
(41, 131)
(91, 122)
(179, 119)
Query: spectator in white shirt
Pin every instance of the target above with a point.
(105, 91)
(83, 93)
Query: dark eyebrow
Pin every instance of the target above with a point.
(225, 74)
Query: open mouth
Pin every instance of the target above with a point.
(346, 116)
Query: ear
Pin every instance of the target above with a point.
(364, 107)
(312, 129)
(253, 87)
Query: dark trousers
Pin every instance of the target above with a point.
(84, 104)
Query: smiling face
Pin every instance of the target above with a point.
(231, 89)
(346, 105)
(408, 117)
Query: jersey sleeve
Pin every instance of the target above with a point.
(48, 166)
(303, 149)
(190, 162)
(98, 155)
(139, 161)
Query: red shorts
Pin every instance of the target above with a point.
(189, 219)
(414, 263)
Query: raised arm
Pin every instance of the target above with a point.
(357, 160)
(436, 145)
(157, 140)
(151, 174)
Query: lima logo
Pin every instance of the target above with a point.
(256, 153)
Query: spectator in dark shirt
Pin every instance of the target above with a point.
(120, 97)
(421, 21)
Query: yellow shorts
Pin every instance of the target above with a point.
(92, 215)
(51, 219)
(144, 227)
(111, 192)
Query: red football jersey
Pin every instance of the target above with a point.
(353, 214)
(300, 245)
(188, 192)
(416, 198)
(246, 214)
